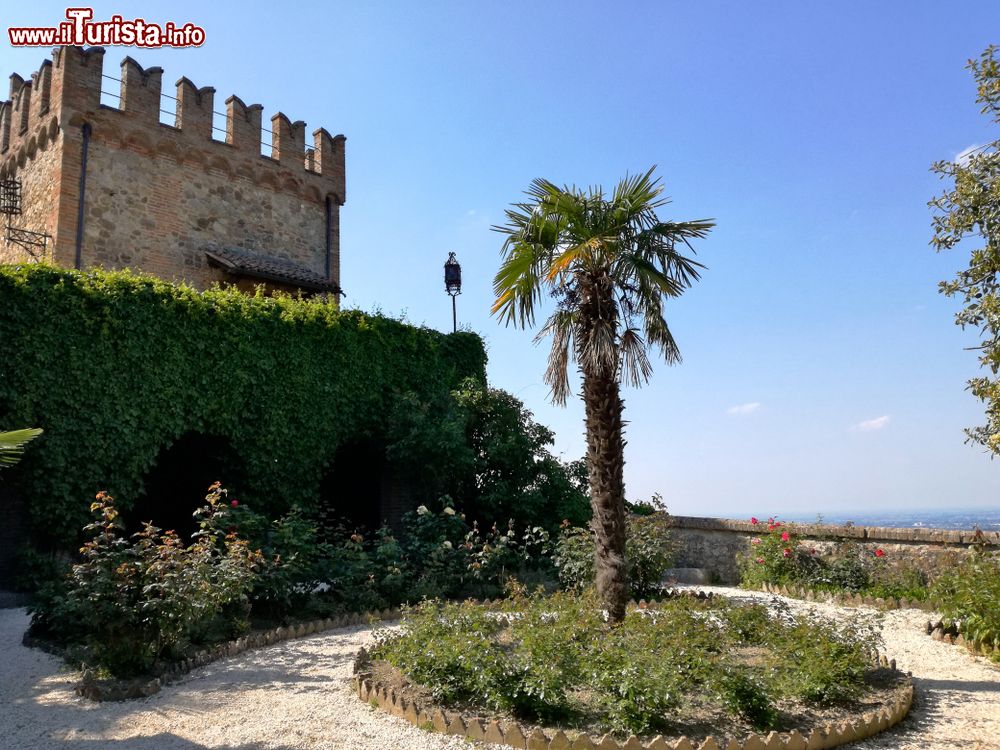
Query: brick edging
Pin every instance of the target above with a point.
(844, 599)
(514, 735)
(952, 635)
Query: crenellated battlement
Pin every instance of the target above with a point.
(113, 171)
(67, 90)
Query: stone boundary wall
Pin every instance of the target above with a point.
(119, 690)
(714, 543)
(514, 735)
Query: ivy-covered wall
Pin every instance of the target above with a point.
(116, 366)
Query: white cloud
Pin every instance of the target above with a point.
(962, 157)
(743, 409)
(870, 425)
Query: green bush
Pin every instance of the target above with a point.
(747, 695)
(128, 604)
(648, 554)
(483, 448)
(141, 362)
(545, 658)
(824, 662)
(968, 595)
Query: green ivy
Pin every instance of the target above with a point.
(117, 366)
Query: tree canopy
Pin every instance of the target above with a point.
(970, 208)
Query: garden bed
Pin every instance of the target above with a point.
(675, 684)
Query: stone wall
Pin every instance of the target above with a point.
(715, 543)
(156, 196)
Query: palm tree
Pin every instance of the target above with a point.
(610, 264)
(12, 445)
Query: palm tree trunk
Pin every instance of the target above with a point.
(605, 465)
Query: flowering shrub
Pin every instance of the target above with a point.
(779, 557)
(545, 658)
(127, 604)
(772, 558)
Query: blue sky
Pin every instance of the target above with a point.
(822, 371)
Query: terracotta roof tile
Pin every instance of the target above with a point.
(238, 261)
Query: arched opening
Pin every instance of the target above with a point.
(179, 480)
(353, 490)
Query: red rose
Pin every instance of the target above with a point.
(784, 536)
(787, 552)
(235, 503)
(879, 552)
(754, 521)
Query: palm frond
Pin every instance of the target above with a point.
(560, 327)
(517, 285)
(12, 444)
(658, 334)
(635, 365)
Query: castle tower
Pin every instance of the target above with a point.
(113, 186)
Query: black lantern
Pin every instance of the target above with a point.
(453, 285)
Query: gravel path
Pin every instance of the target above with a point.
(291, 696)
(296, 695)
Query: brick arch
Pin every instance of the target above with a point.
(219, 164)
(140, 141)
(362, 489)
(312, 193)
(108, 132)
(167, 148)
(245, 171)
(177, 482)
(266, 178)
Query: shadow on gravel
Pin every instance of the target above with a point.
(962, 686)
(162, 741)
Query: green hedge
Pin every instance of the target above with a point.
(115, 366)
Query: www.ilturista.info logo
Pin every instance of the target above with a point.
(80, 29)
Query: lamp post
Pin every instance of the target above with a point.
(453, 285)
